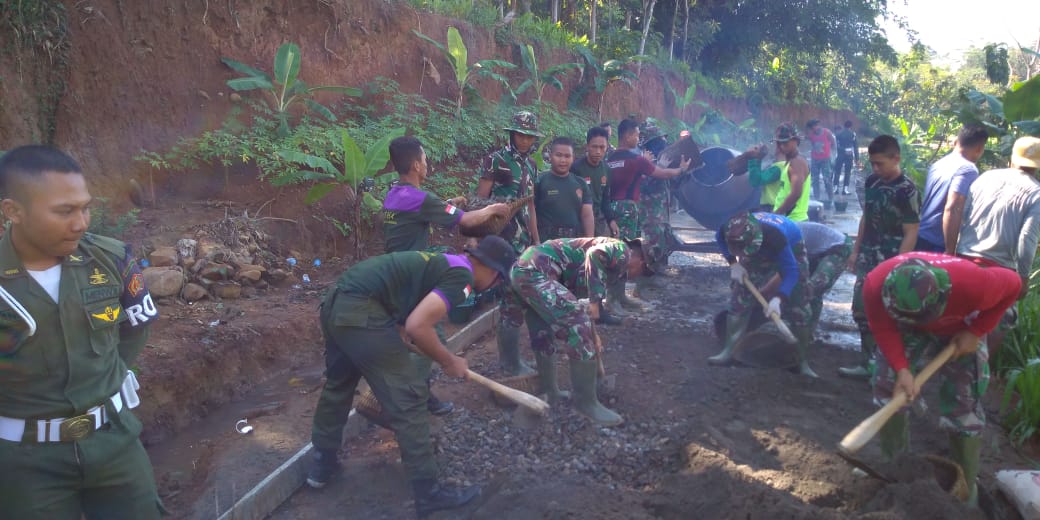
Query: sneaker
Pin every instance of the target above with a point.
(324, 466)
(845, 190)
(438, 407)
(431, 496)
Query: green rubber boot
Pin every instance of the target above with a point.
(895, 436)
(804, 335)
(509, 352)
(547, 379)
(735, 325)
(964, 450)
(583, 381)
(617, 297)
(867, 348)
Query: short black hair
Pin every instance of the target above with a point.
(972, 135)
(596, 131)
(29, 163)
(812, 123)
(626, 126)
(848, 123)
(404, 151)
(884, 144)
(561, 141)
(605, 124)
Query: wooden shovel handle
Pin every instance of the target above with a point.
(862, 433)
(521, 398)
(776, 319)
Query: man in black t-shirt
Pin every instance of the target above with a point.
(848, 155)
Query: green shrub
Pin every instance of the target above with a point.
(1023, 412)
(103, 221)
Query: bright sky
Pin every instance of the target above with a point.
(952, 26)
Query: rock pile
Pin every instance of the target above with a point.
(214, 265)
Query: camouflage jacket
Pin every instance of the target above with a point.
(585, 266)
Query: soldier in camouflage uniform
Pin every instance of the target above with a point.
(546, 283)
(509, 174)
(888, 227)
(766, 244)
(828, 250)
(657, 237)
(920, 301)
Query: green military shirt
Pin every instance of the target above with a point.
(407, 215)
(597, 177)
(887, 206)
(383, 290)
(558, 201)
(79, 355)
(512, 175)
(586, 266)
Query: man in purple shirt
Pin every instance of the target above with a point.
(946, 192)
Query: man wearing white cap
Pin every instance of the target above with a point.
(1002, 215)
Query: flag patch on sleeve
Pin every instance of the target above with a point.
(449, 209)
(467, 290)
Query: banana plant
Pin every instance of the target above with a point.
(458, 56)
(358, 173)
(608, 72)
(285, 89)
(541, 78)
(686, 99)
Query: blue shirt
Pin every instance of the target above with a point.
(776, 243)
(951, 173)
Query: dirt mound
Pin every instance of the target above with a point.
(921, 500)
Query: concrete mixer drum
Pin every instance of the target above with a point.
(711, 195)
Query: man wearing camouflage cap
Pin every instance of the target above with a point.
(919, 301)
(506, 174)
(757, 246)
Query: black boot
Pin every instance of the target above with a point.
(431, 496)
(606, 318)
(438, 407)
(324, 466)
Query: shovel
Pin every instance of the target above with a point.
(780, 325)
(609, 382)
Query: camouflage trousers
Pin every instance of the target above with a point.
(551, 311)
(963, 382)
(658, 240)
(868, 259)
(796, 311)
(826, 269)
(626, 214)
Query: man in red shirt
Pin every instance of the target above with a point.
(822, 140)
(917, 302)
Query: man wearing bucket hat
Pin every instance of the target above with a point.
(506, 174)
(757, 246)
(919, 301)
(657, 237)
(546, 283)
(362, 319)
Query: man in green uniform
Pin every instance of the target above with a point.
(74, 314)
(562, 200)
(365, 319)
(408, 213)
(547, 281)
(593, 169)
(508, 174)
(658, 239)
(888, 227)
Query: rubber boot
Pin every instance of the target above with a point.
(547, 382)
(431, 496)
(735, 325)
(583, 381)
(804, 336)
(964, 450)
(895, 436)
(509, 352)
(616, 299)
(863, 371)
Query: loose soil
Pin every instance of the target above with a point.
(698, 441)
